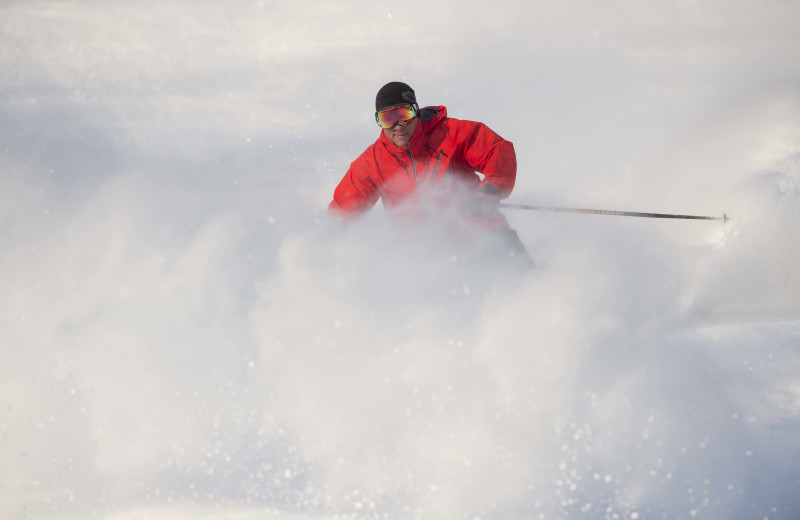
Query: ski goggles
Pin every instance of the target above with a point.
(399, 115)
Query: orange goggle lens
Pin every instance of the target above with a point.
(389, 117)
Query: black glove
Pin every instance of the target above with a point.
(485, 203)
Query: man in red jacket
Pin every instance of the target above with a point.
(421, 156)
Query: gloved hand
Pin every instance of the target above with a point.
(485, 203)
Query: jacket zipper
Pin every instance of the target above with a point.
(438, 158)
(414, 164)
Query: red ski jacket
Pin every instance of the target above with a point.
(442, 158)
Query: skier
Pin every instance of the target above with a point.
(421, 156)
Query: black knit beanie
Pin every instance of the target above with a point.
(393, 94)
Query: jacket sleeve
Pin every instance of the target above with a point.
(486, 152)
(357, 192)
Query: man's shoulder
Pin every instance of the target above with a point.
(369, 152)
(435, 119)
(372, 156)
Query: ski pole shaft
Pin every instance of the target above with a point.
(723, 218)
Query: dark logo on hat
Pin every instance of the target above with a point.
(409, 96)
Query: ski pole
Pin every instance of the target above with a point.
(723, 218)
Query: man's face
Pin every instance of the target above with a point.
(401, 135)
(398, 123)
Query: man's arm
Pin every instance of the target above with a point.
(357, 191)
(488, 153)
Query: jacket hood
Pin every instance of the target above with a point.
(431, 116)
